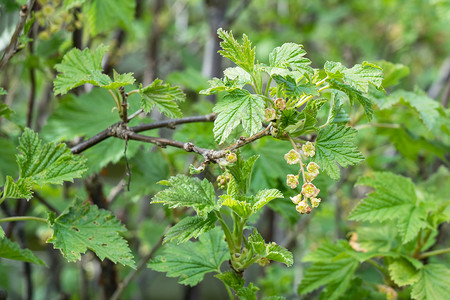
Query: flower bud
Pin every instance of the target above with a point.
(292, 181)
(270, 114)
(280, 104)
(292, 157)
(315, 202)
(309, 190)
(309, 149)
(263, 261)
(231, 158)
(296, 199)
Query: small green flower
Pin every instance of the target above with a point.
(296, 199)
(309, 149)
(313, 168)
(309, 190)
(292, 181)
(315, 202)
(231, 158)
(270, 114)
(292, 157)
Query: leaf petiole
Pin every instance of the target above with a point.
(23, 218)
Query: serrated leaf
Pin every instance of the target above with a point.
(242, 208)
(257, 243)
(68, 4)
(394, 197)
(432, 284)
(217, 85)
(338, 273)
(190, 227)
(12, 250)
(83, 226)
(402, 272)
(361, 75)
(265, 196)
(241, 172)
(80, 67)
(424, 105)
(192, 260)
(105, 15)
(20, 189)
(120, 80)
(50, 163)
(294, 90)
(326, 252)
(186, 191)
(278, 253)
(334, 145)
(239, 106)
(334, 70)
(163, 96)
(392, 72)
(338, 114)
(248, 292)
(231, 279)
(243, 55)
(354, 95)
(290, 55)
(238, 75)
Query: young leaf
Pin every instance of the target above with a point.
(242, 55)
(2, 91)
(236, 107)
(192, 260)
(247, 292)
(402, 272)
(241, 172)
(50, 163)
(290, 55)
(20, 189)
(120, 80)
(5, 111)
(231, 279)
(217, 85)
(190, 227)
(394, 197)
(277, 253)
(83, 226)
(12, 250)
(432, 284)
(361, 75)
(265, 196)
(163, 96)
(242, 208)
(80, 67)
(337, 273)
(294, 90)
(186, 191)
(354, 95)
(334, 146)
(238, 75)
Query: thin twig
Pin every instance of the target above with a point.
(12, 47)
(122, 285)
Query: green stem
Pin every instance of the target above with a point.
(267, 87)
(433, 253)
(133, 92)
(230, 294)
(116, 100)
(378, 125)
(322, 81)
(226, 230)
(23, 218)
(324, 88)
(303, 101)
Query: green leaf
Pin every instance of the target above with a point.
(80, 67)
(83, 226)
(2, 233)
(238, 75)
(424, 105)
(432, 284)
(402, 272)
(241, 172)
(290, 55)
(277, 253)
(105, 15)
(294, 90)
(334, 145)
(394, 197)
(257, 243)
(361, 75)
(337, 273)
(120, 80)
(326, 252)
(338, 114)
(248, 292)
(242, 55)
(163, 96)
(192, 260)
(186, 191)
(242, 208)
(392, 72)
(231, 279)
(190, 227)
(20, 189)
(68, 4)
(265, 196)
(236, 107)
(2, 91)
(217, 85)
(354, 95)
(5, 111)
(50, 163)
(12, 250)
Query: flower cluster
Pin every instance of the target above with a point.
(309, 190)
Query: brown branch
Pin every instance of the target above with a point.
(12, 47)
(107, 133)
